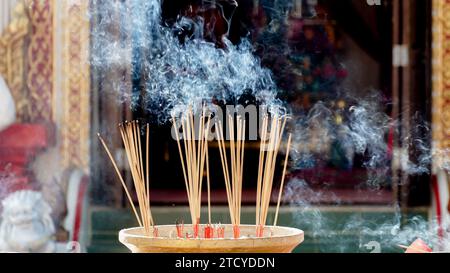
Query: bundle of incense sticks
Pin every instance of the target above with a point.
(193, 157)
(131, 138)
(233, 181)
(272, 133)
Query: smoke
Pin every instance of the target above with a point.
(178, 65)
(172, 65)
(354, 230)
(339, 135)
(359, 136)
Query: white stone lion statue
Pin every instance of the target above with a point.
(7, 107)
(26, 224)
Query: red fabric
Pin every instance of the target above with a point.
(15, 169)
(19, 145)
(24, 136)
(435, 186)
(79, 208)
(17, 156)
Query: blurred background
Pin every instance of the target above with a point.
(350, 72)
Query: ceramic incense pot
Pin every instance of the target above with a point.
(274, 240)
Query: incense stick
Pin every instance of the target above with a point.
(282, 180)
(120, 178)
(131, 137)
(147, 161)
(260, 169)
(208, 186)
(233, 180)
(193, 158)
(220, 139)
(267, 165)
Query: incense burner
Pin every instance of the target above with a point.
(275, 240)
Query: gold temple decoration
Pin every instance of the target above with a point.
(71, 35)
(441, 78)
(41, 36)
(40, 65)
(13, 46)
(76, 85)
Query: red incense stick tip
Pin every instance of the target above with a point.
(260, 231)
(236, 232)
(155, 232)
(221, 232)
(209, 232)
